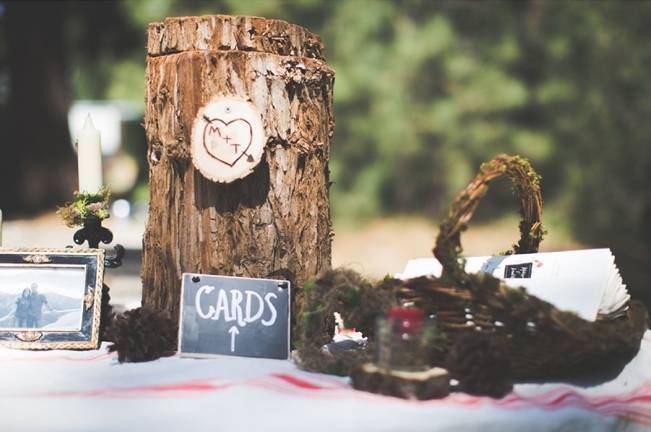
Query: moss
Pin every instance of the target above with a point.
(83, 205)
(309, 286)
(357, 300)
(481, 364)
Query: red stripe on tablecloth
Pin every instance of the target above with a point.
(301, 383)
(634, 406)
(190, 386)
(276, 382)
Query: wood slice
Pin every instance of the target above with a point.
(227, 139)
(429, 384)
(273, 222)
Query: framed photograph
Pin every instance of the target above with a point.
(50, 298)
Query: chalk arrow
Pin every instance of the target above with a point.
(233, 331)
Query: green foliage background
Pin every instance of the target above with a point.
(426, 90)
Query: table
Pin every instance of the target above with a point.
(90, 391)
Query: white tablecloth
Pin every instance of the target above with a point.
(90, 391)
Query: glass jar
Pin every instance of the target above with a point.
(404, 340)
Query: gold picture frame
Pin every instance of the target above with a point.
(50, 298)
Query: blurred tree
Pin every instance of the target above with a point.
(425, 91)
(37, 163)
(598, 76)
(46, 42)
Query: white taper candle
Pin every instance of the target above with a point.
(89, 158)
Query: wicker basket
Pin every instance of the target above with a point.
(542, 341)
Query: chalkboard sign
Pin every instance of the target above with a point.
(234, 316)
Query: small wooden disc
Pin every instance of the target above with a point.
(228, 139)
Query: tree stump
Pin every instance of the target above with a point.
(275, 222)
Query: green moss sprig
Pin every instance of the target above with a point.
(83, 205)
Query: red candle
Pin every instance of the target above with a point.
(407, 320)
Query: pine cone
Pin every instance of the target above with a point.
(142, 334)
(481, 364)
(107, 314)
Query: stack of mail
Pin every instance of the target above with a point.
(586, 282)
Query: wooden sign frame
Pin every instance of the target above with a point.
(280, 285)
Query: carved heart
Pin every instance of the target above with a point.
(227, 142)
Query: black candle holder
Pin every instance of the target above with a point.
(93, 232)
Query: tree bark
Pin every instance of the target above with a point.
(276, 221)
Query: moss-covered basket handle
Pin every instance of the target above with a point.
(526, 184)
